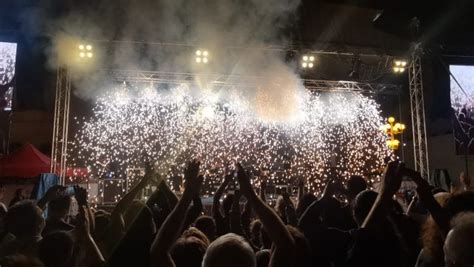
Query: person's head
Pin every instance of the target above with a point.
(441, 197)
(102, 220)
(460, 202)
(207, 225)
(227, 202)
(455, 204)
(19, 192)
(362, 204)
(188, 251)
(263, 257)
(59, 208)
(194, 232)
(255, 228)
(229, 250)
(459, 243)
(355, 185)
(55, 249)
(437, 190)
(306, 200)
(24, 219)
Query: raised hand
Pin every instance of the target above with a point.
(301, 182)
(80, 195)
(416, 177)
(244, 181)
(329, 189)
(82, 228)
(228, 177)
(149, 174)
(392, 179)
(193, 181)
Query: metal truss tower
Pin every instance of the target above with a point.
(417, 104)
(61, 124)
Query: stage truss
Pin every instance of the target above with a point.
(63, 95)
(417, 104)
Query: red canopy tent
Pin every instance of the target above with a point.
(27, 161)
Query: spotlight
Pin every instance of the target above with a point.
(399, 66)
(307, 62)
(202, 56)
(85, 51)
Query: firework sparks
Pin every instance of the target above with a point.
(333, 134)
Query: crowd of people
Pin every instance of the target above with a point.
(347, 225)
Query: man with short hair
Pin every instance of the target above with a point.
(58, 209)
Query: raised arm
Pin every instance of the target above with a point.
(235, 216)
(300, 190)
(284, 252)
(216, 202)
(429, 202)
(263, 186)
(391, 182)
(311, 216)
(92, 255)
(290, 211)
(127, 200)
(171, 228)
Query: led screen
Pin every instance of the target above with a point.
(462, 96)
(7, 74)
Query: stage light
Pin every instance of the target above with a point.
(85, 51)
(307, 62)
(399, 66)
(202, 56)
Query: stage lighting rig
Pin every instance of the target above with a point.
(399, 66)
(85, 51)
(202, 56)
(307, 61)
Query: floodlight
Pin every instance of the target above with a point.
(307, 62)
(202, 56)
(399, 65)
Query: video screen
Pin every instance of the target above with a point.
(463, 105)
(7, 74)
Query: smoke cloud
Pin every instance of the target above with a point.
(234, 33)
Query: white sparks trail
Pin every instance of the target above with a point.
(331, 134)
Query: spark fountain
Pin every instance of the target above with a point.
(329, 135)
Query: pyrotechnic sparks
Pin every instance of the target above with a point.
(334, 134)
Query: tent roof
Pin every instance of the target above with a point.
(27, 161)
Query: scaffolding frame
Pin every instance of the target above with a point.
(417, 107)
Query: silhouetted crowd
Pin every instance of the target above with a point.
(347, 225)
